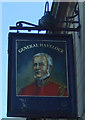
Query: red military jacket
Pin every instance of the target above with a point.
(51, 89)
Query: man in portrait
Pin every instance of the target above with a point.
(43, 84)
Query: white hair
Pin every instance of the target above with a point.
(49, 58)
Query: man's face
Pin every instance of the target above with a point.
(40, 66)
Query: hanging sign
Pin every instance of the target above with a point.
(41, 76)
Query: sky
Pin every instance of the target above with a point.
(10, 13)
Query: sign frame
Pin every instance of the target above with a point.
(40, 106)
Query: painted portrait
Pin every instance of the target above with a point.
(41, 68)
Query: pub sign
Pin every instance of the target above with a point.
(41, 76)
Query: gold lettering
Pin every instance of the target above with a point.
(19, 51)
(35, 45)
(24, 48)
(30, 46)
(47, 45)
(40, 45)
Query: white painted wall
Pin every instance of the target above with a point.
(84, 50)
(79, 48)
(79, 63)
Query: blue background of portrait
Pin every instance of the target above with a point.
(25, 58)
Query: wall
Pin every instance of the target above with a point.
(84, 49)
(78, 48)
(79, 51)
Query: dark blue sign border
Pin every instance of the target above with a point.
(35, 106)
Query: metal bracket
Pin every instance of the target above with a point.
(74, 15)
(45, 20)
(42, 28)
